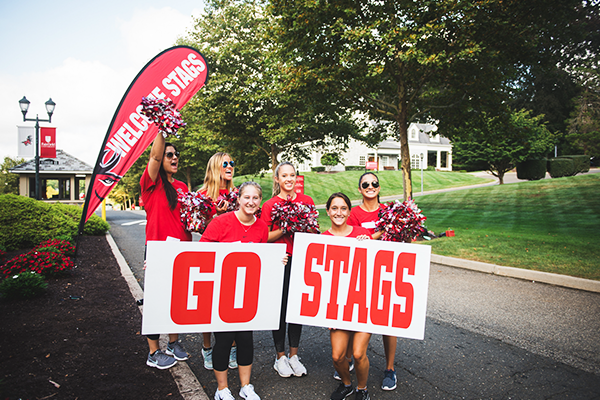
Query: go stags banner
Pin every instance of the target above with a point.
(364, 286)
(176, 73)
(212, 287)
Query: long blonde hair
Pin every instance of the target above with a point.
(212, 178)
(276, 186)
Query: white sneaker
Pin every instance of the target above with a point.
(224, 394)
(247, 392)
(282, 366)
(296, 365)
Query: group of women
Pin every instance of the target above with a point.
(235, 349)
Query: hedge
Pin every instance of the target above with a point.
(581, 163)
(559, 167)
(25, 222)
(532, 170)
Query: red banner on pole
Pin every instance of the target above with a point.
(47, 142)
(177, 74)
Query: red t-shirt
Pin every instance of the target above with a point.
(360, 217)
(288, 238)
(161, 220)
(356, 232)
(227, 228)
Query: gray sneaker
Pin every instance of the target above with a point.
(233, 358)
(207, 356)
(176, 350)
(160, 360)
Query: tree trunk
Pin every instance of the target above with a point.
(188, 176)
(274, 162)
(405, 154)
(500, 178)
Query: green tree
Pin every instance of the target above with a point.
(253, 106)
(9, 182)
(330, 160)
(499, 144)
(402, 61)
(584, 124)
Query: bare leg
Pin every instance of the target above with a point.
(389, 346)
(153, 345)
(361, 361)
(245, 371)
(339, 344)
(206, 343)
(221, 379)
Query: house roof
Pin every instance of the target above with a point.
(63, 163)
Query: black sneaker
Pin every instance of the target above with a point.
(342, 392)
(362, 395)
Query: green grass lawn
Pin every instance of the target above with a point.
(550, 225)
(319, 186)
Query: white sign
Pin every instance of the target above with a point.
(212, 287)
(26, 145)
(363, 286)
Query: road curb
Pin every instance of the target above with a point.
(519, 273)
(187, 383)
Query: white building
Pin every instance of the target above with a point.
(425, 146)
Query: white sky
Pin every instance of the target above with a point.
(83, 55)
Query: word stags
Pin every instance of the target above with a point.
(336, 260)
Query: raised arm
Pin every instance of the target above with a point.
(156, 156)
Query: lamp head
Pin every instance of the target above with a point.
(50, 107)
(24, 104)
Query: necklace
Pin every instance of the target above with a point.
(248, 226)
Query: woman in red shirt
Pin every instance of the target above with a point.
(218, 180)
(284, 179)
(338, 210)
(159, 194)
(365, 215)
(237, 226)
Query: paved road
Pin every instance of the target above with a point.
(486, 337)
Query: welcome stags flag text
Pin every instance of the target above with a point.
(176, 73)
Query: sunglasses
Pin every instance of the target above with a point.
(230, 163)
(170, 154)
(365, 185)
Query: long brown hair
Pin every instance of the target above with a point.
(168, 186)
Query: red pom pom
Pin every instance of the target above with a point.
(164, 114)
(295, 217)
(195, 211)
(400, 222)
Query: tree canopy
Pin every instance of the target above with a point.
(253, 106)
(499, 144)
(404, 61)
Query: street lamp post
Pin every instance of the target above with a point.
(421, 173)
(24, 104)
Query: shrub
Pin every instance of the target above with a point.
(532, 170)
(581, 163)
(24, 285)
(62, 246)
(355, 167)
(47, 263)
(317, 169)
(558, 167)
(2, 256)
(26, 222)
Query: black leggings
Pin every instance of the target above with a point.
(294, 330)
(224, 340)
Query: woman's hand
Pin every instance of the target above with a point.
(363, 237)
(286, 258)
(222, 206)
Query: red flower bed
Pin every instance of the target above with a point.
(45, 263)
